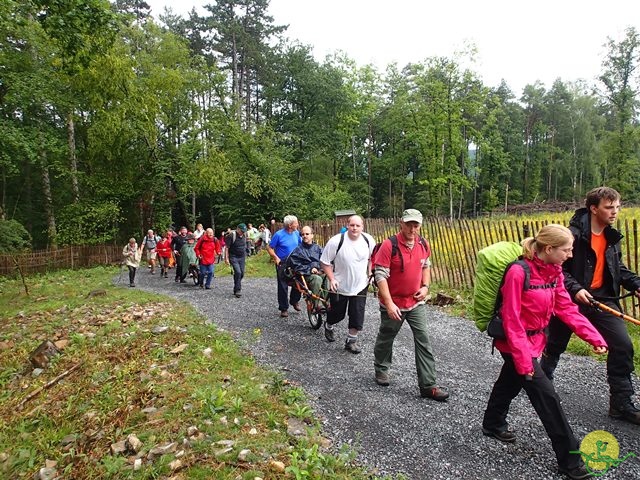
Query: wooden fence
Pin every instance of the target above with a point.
(454, 245)
(42, 261)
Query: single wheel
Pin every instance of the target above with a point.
(315, 315)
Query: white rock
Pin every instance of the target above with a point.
(137, 464)
(118, 448)
(242, 456)
(133, 443)
(47, 473)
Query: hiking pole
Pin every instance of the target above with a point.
(605, 308)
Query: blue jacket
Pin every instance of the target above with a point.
(304, 257)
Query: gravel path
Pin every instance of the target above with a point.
(393, 429)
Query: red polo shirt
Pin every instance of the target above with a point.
(403, 285)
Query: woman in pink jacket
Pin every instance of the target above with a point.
(525, 314)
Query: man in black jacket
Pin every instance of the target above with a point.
(305, 260)
(596, 271)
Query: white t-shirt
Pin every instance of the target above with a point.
(351, 264)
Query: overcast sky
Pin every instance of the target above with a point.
(519, 41)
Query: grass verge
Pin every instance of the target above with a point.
(143, 388)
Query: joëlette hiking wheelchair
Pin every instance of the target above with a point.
(317, 306)
(194, 272)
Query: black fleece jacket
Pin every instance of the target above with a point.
(578, 270)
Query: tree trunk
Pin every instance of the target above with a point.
(73, 160)
(236, 79)
(193, 209)
(48, 201)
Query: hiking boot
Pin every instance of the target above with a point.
(505, 436)
(352, 347)
(577, 473)
(435, 393)
(628, 413)
(296, 307)
(382, 379)
(284, 313)
(328, 334)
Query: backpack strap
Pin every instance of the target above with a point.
(525, 285)
(342, 241)
(396, 251)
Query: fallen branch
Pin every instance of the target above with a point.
(49, 384)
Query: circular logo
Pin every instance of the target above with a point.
(599, 450)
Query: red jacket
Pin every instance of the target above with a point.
(163, 248)
(206, 249)
(532, 310)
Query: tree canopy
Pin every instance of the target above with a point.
(112, 122)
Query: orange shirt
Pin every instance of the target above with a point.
(599, 245)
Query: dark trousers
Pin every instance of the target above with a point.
(178, 267)
(284, 297)
(237, 263)
(614, 331)
(546, 403)
(132, 274)
(353, 305)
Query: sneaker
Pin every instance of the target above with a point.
(284, 313)
(352, 347)
(132, 284)
(505, 436)
(207, 288)
(628, 413)
(296, 307)
(577, 473)
(382, 379)
(328, 334)
(237, 294)
(166, 276)
(435, 393)
(201, 286)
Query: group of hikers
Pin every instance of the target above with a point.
(545, 297)
(195, 252)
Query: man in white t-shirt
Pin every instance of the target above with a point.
(345, 260)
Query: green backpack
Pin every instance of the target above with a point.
(492, 263)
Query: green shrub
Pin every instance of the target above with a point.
(13, 237)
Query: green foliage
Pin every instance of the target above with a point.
(89, 223)
(218, 118)
(13, 237)
(319, 202)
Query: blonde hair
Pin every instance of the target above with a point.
(552, 235)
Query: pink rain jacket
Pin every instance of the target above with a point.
(532, 310)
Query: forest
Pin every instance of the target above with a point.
(112, 122)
